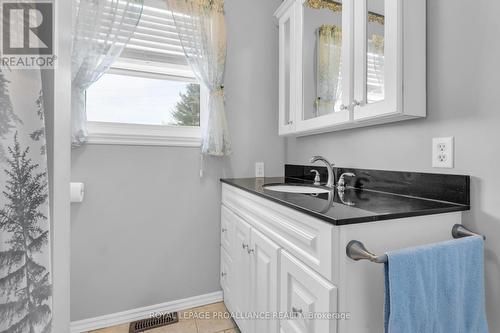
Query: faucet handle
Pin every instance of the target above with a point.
(341, 182)
(317, 178)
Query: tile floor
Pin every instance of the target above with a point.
(190, 322)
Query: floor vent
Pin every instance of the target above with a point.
(150, 323)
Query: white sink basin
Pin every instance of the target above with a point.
(306, 189)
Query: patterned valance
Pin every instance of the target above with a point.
(337, 7)
(320, 4)
(216, 5)
(376, 18)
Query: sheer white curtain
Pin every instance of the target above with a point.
(202, 31)
(329, 68)
(101, 29)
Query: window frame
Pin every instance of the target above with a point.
(115, 133)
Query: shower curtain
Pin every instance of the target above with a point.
(25, 261)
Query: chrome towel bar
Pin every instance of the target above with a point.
(357, 250)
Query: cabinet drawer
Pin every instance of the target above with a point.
(305, 237)
(304, 292)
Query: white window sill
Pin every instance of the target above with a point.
(143, 135)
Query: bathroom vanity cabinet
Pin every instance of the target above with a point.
(347, 63)
(283, 264)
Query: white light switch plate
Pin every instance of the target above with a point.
(259, 170)
(443, 152)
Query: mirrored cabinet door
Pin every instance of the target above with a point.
(324, 63)
(377, 58)
(287, 93)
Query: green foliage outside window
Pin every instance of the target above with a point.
(187, 110)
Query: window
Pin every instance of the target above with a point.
(150, 96)
(128, 99)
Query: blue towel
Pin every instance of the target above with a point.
(436, 288)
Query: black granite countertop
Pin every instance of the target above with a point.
(354, 205)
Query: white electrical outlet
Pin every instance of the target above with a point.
(259, 169)
(442, 152)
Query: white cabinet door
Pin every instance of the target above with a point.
(226, 228)
(287, 80)
(389, 60)
(241, 270)
(323, 81)
(378, 58)
(304, 292)
(226, 277)
(264, 256)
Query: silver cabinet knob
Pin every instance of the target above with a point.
(224, 229)
(251, 251)
(356, 103)
(223, 274)
(343, 107)
(244, 246)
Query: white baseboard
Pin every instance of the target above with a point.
(113, 319)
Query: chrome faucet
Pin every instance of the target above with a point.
(329, 166)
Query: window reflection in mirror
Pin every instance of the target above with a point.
(322, 60)
(375, 59)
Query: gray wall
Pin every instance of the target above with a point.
(463, 101)
(148, 230)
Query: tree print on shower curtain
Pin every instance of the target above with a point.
(25, 261)
(39, 134)
(26, 282)
(8, 119)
